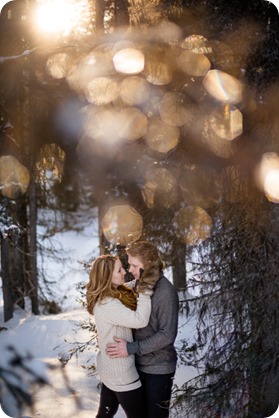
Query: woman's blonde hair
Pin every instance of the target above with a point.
(100, 285)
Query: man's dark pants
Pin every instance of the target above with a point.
(157, 390)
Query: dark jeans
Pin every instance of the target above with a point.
(132, 402)
(157, 390)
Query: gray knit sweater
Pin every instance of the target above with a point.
(154, 344)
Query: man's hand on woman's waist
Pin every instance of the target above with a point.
(117, 349)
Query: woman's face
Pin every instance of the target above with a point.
(118, 275)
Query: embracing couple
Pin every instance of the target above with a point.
(136, 361)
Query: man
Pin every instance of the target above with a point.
(153, 345)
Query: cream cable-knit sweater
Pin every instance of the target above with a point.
(112, 318)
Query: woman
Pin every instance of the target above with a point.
(117, 310)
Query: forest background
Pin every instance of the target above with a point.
(179, 147)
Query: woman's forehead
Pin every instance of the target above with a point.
(117, 263)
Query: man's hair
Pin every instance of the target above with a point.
(146, 252)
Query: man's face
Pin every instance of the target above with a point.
(134, 266)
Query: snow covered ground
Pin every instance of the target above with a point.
(48, 338)
(72, 392)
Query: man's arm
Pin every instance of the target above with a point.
(166, 334)
(167, 313)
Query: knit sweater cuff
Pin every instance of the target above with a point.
(132, 347)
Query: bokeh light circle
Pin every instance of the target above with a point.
(122, 224)
(193, 225)
(160, 136)
(193, 64)
(14, 177)
(172, 110)
(223, 86)
(160, 188)
(134, 90)
(157, 72)
(266, 175)
(101, 90)
(271, 186)
(132, 124)
(227, 122)
(129, 61)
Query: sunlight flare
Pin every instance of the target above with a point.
(59, 16)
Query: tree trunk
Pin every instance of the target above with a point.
(69, 187)
(33, 272)
(19, 271)
(264, 379)
(6, 279)
(30, 144)
(121, 13)
(179, 266)
(100, 12)
(103, 243)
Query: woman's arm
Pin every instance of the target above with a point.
(114, 312)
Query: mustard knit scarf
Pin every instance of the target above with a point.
(127, 296)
